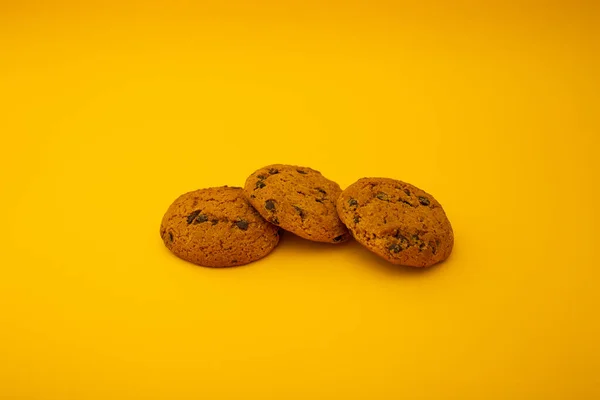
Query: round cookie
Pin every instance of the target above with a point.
(217, 227)
(299, 200)
(397, 221)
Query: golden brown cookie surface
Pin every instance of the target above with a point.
(299, 200)
(396, 220)
(217, 227)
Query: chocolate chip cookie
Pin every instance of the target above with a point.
(397, 221)
(299, 200)
(217, 227)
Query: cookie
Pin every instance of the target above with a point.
(299, 200)
(217, 227)
(397, 221)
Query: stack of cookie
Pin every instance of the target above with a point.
(229, 226)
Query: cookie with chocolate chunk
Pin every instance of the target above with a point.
(397, 221)
(299, 200)
(217, 227)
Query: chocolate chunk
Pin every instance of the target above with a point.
(301, 172)
(260, 185)
(356, 219)
(171, 237)
(321, 191)
(432, 246)
(214, 221)
(382, 196)
(319, 201)
(200, 219)
(252, 196)
(300, 212)
(273, 171)
(192, 216)
(415, 237)
(424, 200)
(338, 238)
(408, 203)
(274, 220)
(407, 192)
(402, 238)
(261, 177)
(242, 224)
(270, 205)
(352, 202)
(394, 248)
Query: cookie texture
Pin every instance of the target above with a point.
(299, 200)
(397, 221)
(217, 227)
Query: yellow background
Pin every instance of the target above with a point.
(109, 112)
